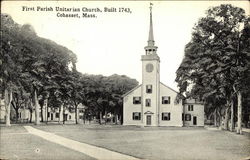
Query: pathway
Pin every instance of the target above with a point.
(90, 150)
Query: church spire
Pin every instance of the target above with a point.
(151, 34)
(151, 48)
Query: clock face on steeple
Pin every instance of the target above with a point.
(149, 67)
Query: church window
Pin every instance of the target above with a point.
(136, 116)
(148, 88)
(187, 117)
(166, 116)
(148, 102)
(136, 100)
(57, 115)
(190, 107)
(166, 100)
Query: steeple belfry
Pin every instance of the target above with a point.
(151, 48)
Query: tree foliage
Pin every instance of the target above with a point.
(30, 62)
(216, 66)
(36, 70)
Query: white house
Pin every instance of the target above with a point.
(194, 113)
(153, 103)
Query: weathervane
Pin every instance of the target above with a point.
(151, 4)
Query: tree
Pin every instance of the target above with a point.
(36, 72)
(74, 93)
(216, 60)
(120, 84)
(103, 94)
(10, 62)
(30, 62)
(19, 98)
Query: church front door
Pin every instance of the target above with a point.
(194, 120)
(148, 120)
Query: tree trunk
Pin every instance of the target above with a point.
(37, 119)
(100, 117)
(105, 112)
(239, 128)
(232, 117)
(7, 102)
(84, 117)
(116, 118)
(89, 118)
(30, 109)
(226, 119)
(31, 115)
(111, 119)
(16, 110)
(219, 118)
(46, 109)
(42, 113)
(76, 114)
(14, 105)
(215, 117)
(64, 115)
(60, 110)
(121, 119)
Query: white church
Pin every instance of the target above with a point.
(153, 103)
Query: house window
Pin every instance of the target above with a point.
(166, 100)
(20, 115)
(165, 116)
(148, 88)
(136, 100)
(187, 117)
(48, 114)
(69, 116)
(148, 102)
(190, 107)
(57, 115)
(136, 116)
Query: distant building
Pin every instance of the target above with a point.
(153, 103)
(47, 114)
(193, 113)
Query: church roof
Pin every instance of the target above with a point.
(140, 86)
(131, 91)
(169, 87)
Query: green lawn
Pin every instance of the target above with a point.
(160, 143)
(146, 143)
(16, 143)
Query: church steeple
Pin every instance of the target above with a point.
(150, 90)
(151, 34)
(151, 48)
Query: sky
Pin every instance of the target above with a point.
(113, 42)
